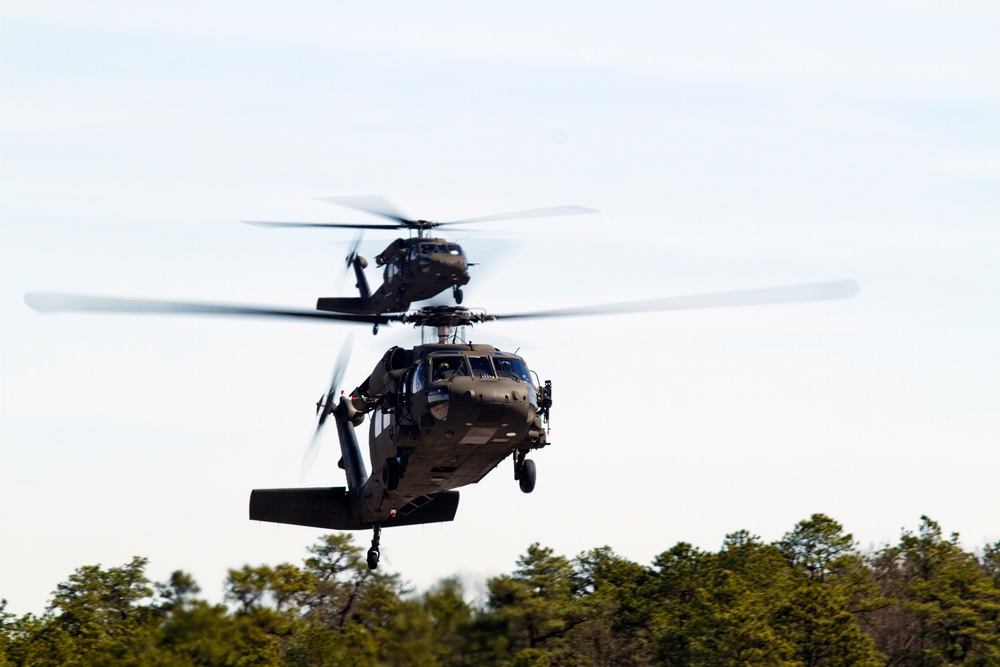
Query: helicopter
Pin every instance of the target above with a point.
(442, 415)
(416, 268)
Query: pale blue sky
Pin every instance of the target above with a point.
(727, 145)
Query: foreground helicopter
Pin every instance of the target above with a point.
(416, 268)
(442, 415)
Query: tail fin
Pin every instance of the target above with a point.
(347, 304)
(360, 263)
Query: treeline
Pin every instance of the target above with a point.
(809, 599)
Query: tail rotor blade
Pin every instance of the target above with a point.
(327, 404)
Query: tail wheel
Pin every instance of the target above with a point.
(373, 555)
(527, 477)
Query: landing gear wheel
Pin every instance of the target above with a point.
(458, 295)
(526, 478)
(372, 559)
(391, 473)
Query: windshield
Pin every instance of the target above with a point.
(447, 366)
(481, 367)
(420, 377)
(512, 367)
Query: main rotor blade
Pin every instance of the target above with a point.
(528, 213)
(341, 225)
(373, 204)
(51, 302)
(838, 289)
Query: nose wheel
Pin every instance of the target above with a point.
(373, 553)
(524, 472)
(458, 295)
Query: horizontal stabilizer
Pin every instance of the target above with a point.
(318, 507)
(328, 507)
(335, 304)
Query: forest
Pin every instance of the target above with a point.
(811, 598)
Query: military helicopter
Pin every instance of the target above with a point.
(442, 415)
(416, 268)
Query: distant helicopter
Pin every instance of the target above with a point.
(442, 415)
(416, 268)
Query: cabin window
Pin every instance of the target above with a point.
(445, 367)
(420, 378)
(380, 421)
(481, 367)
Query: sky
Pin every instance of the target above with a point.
(727, 145)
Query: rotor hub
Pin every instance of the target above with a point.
(445, 316)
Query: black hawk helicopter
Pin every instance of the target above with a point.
(416, 268)
(442, 415)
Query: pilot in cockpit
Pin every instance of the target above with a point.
(442, 371)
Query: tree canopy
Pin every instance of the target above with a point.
(810, 599)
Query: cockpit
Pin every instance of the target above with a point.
(447, 367)
(441, 366)
(444, 367)
(426, 249)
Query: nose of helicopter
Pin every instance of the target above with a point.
(481, 412)
(445, 264)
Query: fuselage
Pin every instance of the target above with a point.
(449, 414)
(421, 268)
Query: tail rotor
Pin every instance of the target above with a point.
(327, 403)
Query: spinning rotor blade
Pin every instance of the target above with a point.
(381, 207)
(827, 291)
(349, 260)
(50, 302)
(373, 204)
(528, 213)
(340, 225)
(326, 406)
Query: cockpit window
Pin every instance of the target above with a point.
(453, 249)
(426, 248)
(447, 366)
(512, 367)
(420, 377)
(481, 367)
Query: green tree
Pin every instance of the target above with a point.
(946, 607)
(535, 604)
(247, 586)
(829, 585)
(101, 611)
(345, 607)
(605, 584)
(5, 633)
(818, 546)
